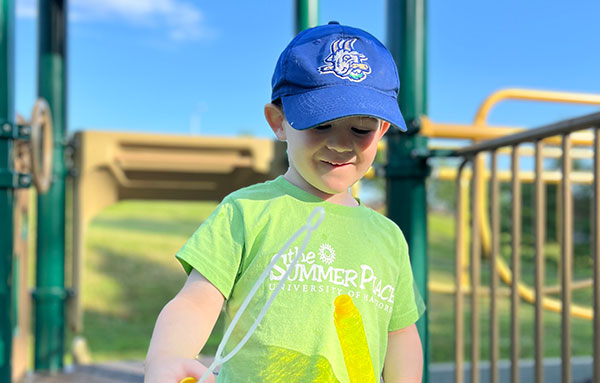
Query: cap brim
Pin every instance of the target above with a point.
(318, 106)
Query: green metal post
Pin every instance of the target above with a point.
(307, 14)
(6, 191)
(50, 269)
(407, 169)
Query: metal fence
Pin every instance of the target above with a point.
(473, 155)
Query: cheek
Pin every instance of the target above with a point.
(301, 148)
(370, 156)
(369, 152)
(307, 144)
(368, 143)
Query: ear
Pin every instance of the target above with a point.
(275, 118)
(384, 128)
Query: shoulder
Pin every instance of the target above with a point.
(260, 191)
(388, 228)
(384, 222)
(253, 198)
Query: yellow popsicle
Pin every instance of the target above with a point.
(351, 333)
(189, 379)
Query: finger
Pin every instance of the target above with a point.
(189, 379)
(194, 371)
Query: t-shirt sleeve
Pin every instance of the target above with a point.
(408, 304)
(215, 249)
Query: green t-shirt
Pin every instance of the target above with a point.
(355, 251)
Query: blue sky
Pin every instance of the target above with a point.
(185, 67)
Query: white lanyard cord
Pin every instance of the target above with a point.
(309, 228)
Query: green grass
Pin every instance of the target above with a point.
(131, 272)
(441, 306)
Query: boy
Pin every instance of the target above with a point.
(334, 96)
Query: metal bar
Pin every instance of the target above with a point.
(487, 132)
(7, 194)
(558, 128)
(307, 14)
(555, 152)
(566, 261)
(516, 267)
(533, 95)
(506, 292)
(575, 285)
(50, 264)
(405, 173)
(436, 151)
(548, 152)
(494, 325)
(407, 41)
(596, 255)
(540, 234)
(475, 268)
(459, 293)
(524, 176)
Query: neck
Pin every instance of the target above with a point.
(344, 198)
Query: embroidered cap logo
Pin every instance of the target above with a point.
(345, 62)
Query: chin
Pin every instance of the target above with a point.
(334, 187)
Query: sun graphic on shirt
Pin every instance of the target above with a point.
(326, 253)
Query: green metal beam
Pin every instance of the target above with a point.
(6, 191)
(407, 170)
(49, 296)
(307, 14)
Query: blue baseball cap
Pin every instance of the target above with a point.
(334, 71)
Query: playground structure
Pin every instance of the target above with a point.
(112, 167)
(560, 132)
(583, 139)
(485, 231)
(109, 167)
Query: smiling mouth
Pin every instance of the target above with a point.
(336, 164)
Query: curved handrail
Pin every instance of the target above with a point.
(525, 292)
(532, 95)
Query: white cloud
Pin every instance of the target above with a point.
(27, 9)
(181, 20)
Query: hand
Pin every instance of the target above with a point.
(174, 370)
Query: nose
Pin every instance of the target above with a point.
(339, 141)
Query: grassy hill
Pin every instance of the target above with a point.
(131, 272)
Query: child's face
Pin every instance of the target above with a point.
(333, 156)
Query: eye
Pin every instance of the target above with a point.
(322, 127)
(361, 132)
